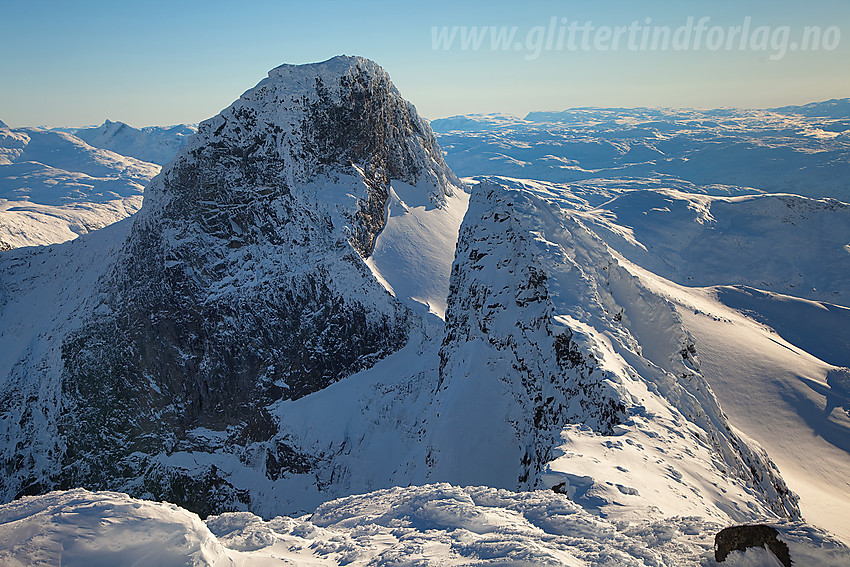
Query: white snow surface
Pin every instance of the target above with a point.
(413, 254)
(80, 528)
(762, 241)
(764, 333)
(154, 144)
(54, 187)
(436, 524)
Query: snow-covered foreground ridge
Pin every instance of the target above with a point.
(429, 525)
(297, 314)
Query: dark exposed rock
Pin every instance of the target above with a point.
(741, 538)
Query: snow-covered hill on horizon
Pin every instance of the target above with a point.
(834, 108)
(54, 187)
(154, 144)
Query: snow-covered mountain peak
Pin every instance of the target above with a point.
(336, 66)
(339, 117)
(243, 282)
(155, 144)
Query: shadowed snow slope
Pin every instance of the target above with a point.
(413, 254)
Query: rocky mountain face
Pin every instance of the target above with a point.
(549, 329)
(234, 350)
(504, 348)
(242, 281)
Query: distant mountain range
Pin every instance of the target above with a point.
(722, 151)
(153, 144)
(56, 185)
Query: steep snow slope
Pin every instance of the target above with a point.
(54, 187)
(429, 525)
(821, 329)
(154, 144)
(414, 252)
(773, 391)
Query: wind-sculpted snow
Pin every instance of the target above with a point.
(429, 525)
(82, 528)
(54, 187)
(718, 152)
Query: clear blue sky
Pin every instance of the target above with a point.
(157, 62)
